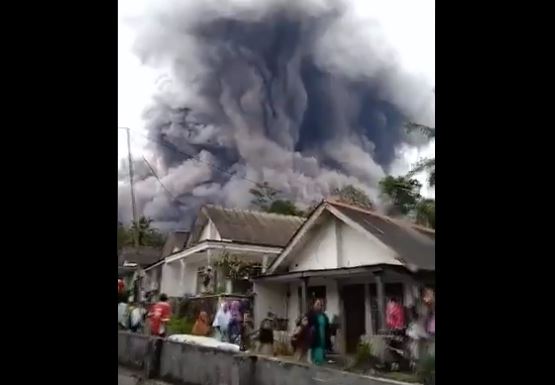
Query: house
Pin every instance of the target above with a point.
(131, 264)
(353, 259)
(175, 242)
(219, 233)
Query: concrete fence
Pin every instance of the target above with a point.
(183, 363)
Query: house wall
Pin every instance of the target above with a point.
(269, 298)
(357, 249)
(179, 278)
(320, 251)
(209, 232)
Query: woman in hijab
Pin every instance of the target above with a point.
(201, 326)
(235, 324)
(320, 330)
(221, 322)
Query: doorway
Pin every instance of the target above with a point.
(353, 304)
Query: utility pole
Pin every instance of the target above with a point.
(133, 205)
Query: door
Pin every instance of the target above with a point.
(353, 302)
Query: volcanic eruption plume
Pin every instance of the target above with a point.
(302, 94)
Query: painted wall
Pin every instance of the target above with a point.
(358, 249)
(320, 251)
(269, 298)
(179, 278)
(209, 232)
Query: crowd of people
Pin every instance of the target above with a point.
(411, 330)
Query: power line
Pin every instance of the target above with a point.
(174, 198)
(194, 157)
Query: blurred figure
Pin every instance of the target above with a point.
(266, 337)
(123, 314)
(320, 328)
(159, 316)
(235, 324)
(201, 326)
(136, 322)
(221, 322)
(301, 340)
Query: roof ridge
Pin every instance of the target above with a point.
(395, 220)
(255, 212)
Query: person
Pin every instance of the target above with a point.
(416, 334)
(428, 299)
(320, 328)
(159, 316)
(202, 325)
(301, 339)
(395, 322)
(123, 314)
(121, 286)
(266, 337)
(235, 325)
(221, 322)
(136, 320)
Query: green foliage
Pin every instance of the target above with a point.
(354, 196)
(266, 199)
(426, 213)
(284, 207)
(147, 235)
(426, 370)
(234, 268)
(403, 192)
(180, 326)
(427, 164)
(263, 196)
(363, 356)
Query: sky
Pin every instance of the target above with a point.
(408, 26)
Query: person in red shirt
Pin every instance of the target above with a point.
(395, 315)
(121, 286)
(159, 316)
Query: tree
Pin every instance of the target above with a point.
(403, 192)
(354, 196)
(148, 236)
(285, 207)
(266, 199)
(263, 195)
(426, 164)
(426, 213)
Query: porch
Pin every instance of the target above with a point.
(354, 298)
(195, 271)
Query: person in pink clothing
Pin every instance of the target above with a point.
(395, 315)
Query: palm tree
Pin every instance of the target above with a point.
(426, 164)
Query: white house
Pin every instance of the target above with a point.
(152, 281)
(251, 236)
(353, 259)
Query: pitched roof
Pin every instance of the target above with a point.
(143, 256)
(247, 226)
(414, 245)
(175, 242)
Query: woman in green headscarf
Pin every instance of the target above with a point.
(320, 326)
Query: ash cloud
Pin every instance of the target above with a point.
(301, 94)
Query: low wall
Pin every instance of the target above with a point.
(183, 363)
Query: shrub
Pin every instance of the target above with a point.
(363, 355)
(426, 370)
(180, 326)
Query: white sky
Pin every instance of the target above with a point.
(409, 25)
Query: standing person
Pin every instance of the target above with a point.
(320, 328)
(429, 301)
(123, 314)
(202, 325)
(221, 322)
(301, 340)
(395, 322)
(136, 322)
(159, 316)
(235, 324)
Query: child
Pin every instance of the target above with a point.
(301, 340)
(201, 326)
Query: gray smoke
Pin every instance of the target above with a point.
(288, 92)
